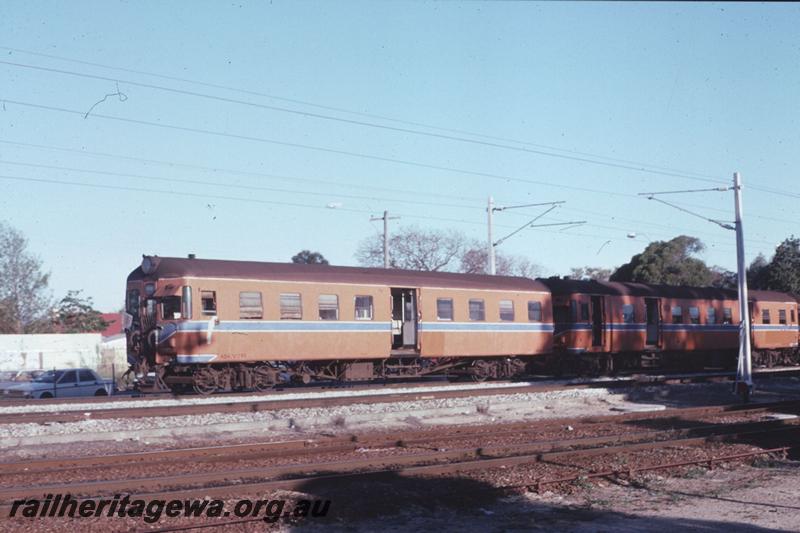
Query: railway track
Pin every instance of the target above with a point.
(73, 410)
(218, 471)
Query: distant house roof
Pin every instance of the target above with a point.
(185, 267)
(114, 325)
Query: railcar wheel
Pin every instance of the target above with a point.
(204, 381)
(263, 378)
(481, 371)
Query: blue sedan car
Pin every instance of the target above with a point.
(64, 383)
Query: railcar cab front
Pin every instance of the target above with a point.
(154, 309)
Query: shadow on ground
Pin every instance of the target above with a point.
(390, 502)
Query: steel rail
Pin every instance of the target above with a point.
(294, 476)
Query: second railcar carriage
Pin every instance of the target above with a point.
(222, 325)
(607, 325)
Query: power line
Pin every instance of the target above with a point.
(338, 183)
(682, 173)
(620, 163)
(230, 186)
(315, 148)
(302, 192)
(320, 116)
(216, 170)
(206, 196)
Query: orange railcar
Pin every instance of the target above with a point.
(643, 323)
(321, 321)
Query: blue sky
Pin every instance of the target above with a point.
(699, 89)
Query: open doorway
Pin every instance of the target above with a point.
(404, 319)
(598, 320)
(653, 321)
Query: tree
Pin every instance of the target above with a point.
(75, 314)
(782, 273)
(309, 258)
(474, 260)
(590, 273)
(670, 263)
(723, 278)
(757, 273)
(24, 297)
(413, 248)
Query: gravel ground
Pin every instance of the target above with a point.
(109, 435)
(282, 396)
(760, 498)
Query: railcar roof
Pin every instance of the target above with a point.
(571, 286)
(169, 267)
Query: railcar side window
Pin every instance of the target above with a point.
(291, 306)
(727, 315)
(477, 310)
(209, 302)
(535, 311)
(585, 311)
(694, 315)
(781, 316)
(677, 315)
(133, 302)
(171, 308)
(507, 310)
(250, 305)
(328, 307)
(444, 308)
(627, 314)
(792, 315)
(363, 307)
(765, 316)
(711, 315)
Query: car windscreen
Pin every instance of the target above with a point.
(47, 377)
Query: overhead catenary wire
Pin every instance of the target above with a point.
(293, 191)
(206, 196)
(337, 182)
(322, 149)
(681, 173)
(238, 172)
(229, 185)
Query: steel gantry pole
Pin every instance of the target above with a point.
(489, 213)
(491, 208)
(744, 375)
(386, 218)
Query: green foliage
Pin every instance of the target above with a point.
(309, 258)
(782, 273)
(24, 296)
(722, 278)
(669, 263)
(75, 314)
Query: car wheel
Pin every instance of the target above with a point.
(101, 392)
(46, 395)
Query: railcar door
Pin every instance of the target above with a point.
(652, 306)
(598, 320)
(404, 319)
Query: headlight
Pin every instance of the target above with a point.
(149, 289)
(149, 264)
